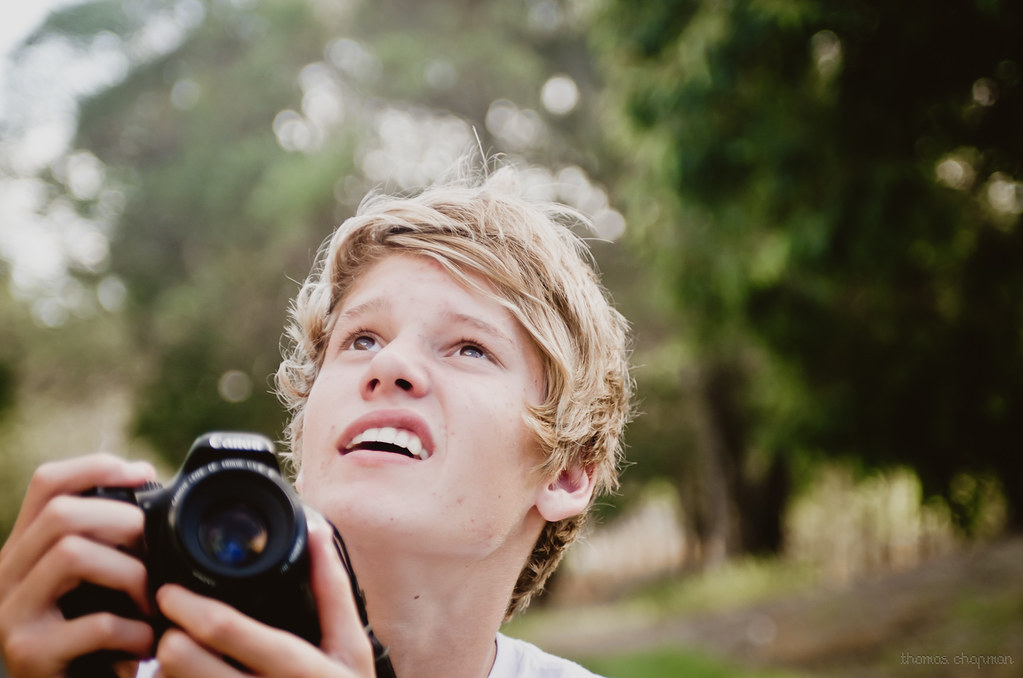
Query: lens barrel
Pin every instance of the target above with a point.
(235, 523)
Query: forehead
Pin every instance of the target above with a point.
(405, 275)
(421, 281)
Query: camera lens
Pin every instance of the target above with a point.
(234, 524)
(233, 534)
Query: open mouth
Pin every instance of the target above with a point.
(389, 439)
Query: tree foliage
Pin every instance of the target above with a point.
(207, 236)
(839, 194)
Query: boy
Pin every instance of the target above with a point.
(458, 385)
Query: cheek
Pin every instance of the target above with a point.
(318, 436)
(317, 424)
(512, 450)
(312, 403)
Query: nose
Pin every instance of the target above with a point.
(396, 369)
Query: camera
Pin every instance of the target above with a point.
(229, 527)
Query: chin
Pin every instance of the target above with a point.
(353, 513)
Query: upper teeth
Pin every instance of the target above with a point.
(392, 436)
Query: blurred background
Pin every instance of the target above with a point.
(810, 210)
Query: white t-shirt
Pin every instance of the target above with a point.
(519, 659)
(515, 659)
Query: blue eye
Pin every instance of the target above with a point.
(472, 351)
(363, 342)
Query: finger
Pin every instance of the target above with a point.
(263, 649)
(226, 631)
(74, 476)
(343, 634)
(271, 651)
(127, 669)
(71, 561)
(105, 631)
(180, 656)
(47, 647)
(110, 522)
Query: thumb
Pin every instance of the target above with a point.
(344, 637)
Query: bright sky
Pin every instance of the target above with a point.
(29, 240)
(17, 20)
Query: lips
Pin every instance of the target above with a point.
(393, 432)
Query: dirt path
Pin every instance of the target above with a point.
(958, 615)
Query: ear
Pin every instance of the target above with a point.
(298, 481)
(567, 495)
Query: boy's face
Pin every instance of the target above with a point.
(419, 365)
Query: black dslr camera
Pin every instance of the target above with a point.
(227, 527)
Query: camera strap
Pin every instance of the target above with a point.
(381, 654)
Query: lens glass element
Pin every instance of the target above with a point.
(233, 534)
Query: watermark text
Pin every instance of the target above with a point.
(962, 659)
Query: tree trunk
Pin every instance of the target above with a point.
(738, 513)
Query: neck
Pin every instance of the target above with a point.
(439, 616)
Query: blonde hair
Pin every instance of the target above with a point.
(539, 269)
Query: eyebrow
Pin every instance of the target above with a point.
(382, 304)
(372, 306)
(481, 325)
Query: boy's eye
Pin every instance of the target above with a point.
(363, 342)
(472, 351)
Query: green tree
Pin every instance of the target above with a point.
(832, 190)
(212, 221)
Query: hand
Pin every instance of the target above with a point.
(58, 541)
(209, 630)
